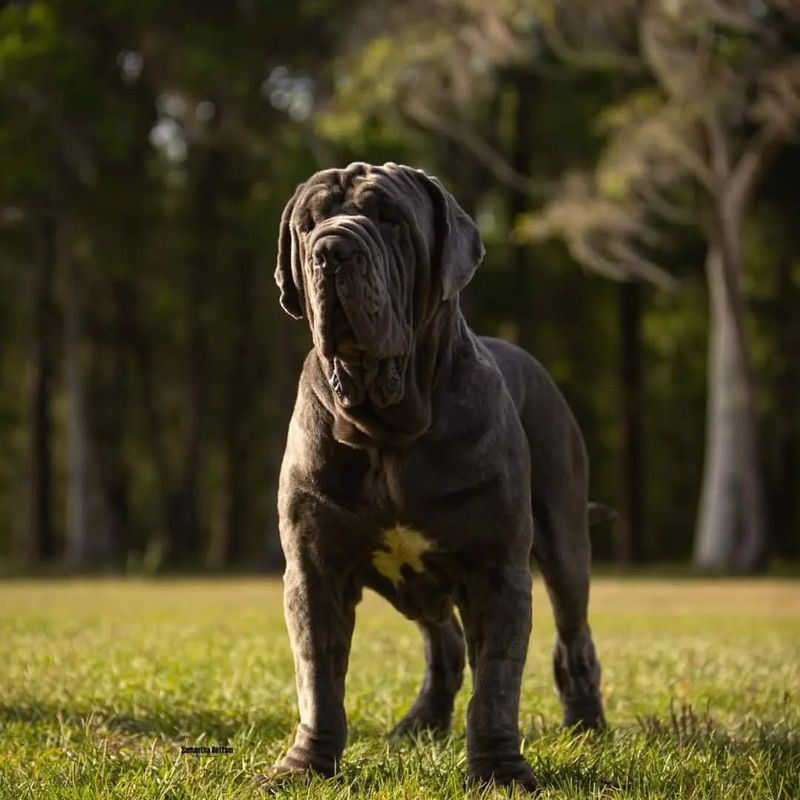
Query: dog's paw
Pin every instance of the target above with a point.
(513, 773)
(291, 768)
(420, 719)
(277, 776)
(584, 715)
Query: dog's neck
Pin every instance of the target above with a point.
(428, 369)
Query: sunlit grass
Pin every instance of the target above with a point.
(102, 681)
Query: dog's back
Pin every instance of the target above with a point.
(557, 449)
(559, 464)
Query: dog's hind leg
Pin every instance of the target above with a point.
(562, 551)
(444, 671)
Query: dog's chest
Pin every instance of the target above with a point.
(410, 572)
(400, 548)
(423, 517)
(390, 489)
(408, 547)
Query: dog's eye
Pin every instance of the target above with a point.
(305, 222)
(376, 208)
(387, 218)
(385, 215)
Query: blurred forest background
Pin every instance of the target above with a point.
(634, 167)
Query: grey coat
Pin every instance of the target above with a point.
(426, 463)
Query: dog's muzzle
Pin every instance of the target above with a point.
(355, 330)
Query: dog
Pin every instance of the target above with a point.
(426, 463)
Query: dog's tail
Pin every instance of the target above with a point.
(600, 513)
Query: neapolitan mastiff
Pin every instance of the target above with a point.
(426, 463)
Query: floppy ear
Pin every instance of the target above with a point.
(458, 240)
(287, 256)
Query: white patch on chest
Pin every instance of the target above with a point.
(400, 547)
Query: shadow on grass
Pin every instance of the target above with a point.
(174, 724)
(683, 753)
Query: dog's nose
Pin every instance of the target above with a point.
(331, 252)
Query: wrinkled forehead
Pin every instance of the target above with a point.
(383, 195)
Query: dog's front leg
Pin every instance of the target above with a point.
(496, 611)
(320, 610)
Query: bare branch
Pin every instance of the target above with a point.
(621, 264)
(751, 167)
(427, 118)
(641, 267)
(779, 109)
(778, 103)
(592, 35)
(789, 7)
(607, 237)
(575, 55)
(734, 14)
(655, 200)
(718, 150)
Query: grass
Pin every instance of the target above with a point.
(102, 681)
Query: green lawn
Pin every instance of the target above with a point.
(102, 681)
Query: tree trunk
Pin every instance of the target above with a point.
(115, 478)
(629, 544)
(732, 521)
(238, 412)
(518, 204)
(142, 352)
(39, 544)
(89, 534)
(106, 398)
(731, 530)
(186, 526)
(77, 489)
(282, 386)
(785, 516)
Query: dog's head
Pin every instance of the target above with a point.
(367, 254)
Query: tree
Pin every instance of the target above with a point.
(45, 133)
(482, 80)
(40, 544)
(725, 100)
(144, 137)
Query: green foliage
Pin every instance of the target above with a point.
(151, 132)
